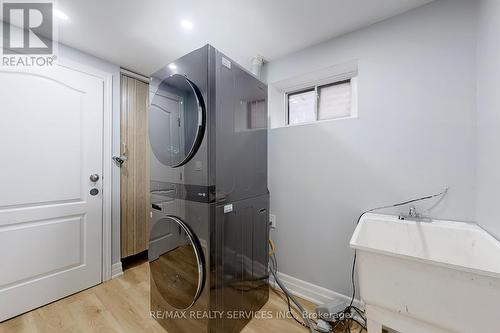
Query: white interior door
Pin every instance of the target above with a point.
(51, 141)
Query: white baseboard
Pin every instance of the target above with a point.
(116, 270)
(310, 292)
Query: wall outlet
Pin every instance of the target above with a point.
(272, 221)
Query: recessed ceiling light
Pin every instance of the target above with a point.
(60, 14)
(172, 66)
(186, 24)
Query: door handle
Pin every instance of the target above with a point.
(119, 160)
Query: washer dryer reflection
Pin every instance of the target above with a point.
(209, 232)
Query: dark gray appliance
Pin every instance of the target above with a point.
(209, 233)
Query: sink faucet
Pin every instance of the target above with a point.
(413, 212)
(413, 215)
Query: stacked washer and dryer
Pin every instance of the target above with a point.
(209, 233)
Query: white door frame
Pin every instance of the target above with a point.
(107, 186)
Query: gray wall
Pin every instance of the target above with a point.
(488, 116)
(415, 134)
(89, 60)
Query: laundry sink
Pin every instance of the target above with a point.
(432, 277)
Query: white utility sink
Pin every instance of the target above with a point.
(421, 277)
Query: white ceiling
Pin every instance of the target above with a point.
(145, 35)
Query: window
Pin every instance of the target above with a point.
(321, 102)
(251, 115)
(302, 107)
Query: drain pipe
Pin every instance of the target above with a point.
(257, 63)
(305, 314)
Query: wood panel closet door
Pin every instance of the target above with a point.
(135, 170)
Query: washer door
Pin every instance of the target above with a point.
(179, 271)
(176, 121)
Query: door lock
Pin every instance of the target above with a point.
(120, 160)
(94, 177)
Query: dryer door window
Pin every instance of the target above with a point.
(176, 121)
(178, 272)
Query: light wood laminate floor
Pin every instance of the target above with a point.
(122, 305)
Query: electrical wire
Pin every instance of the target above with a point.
(274, 271)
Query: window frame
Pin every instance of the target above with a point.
(287, 104)
(352, 79)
